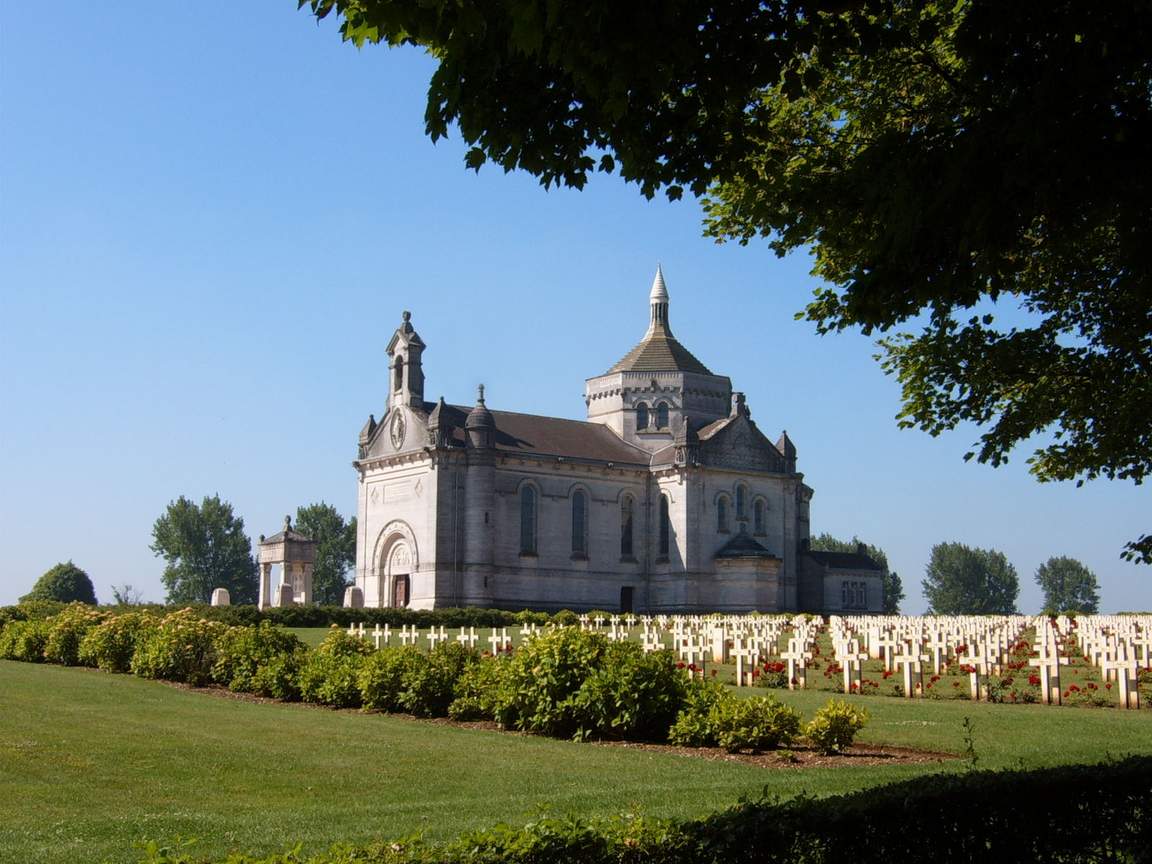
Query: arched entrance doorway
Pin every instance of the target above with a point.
(396, 561)
(398, 572)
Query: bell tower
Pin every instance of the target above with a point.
(405, 372)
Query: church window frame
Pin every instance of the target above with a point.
(642, 418)
(741, 502)
(529, 519)
(580, 515)
(627, 527)
(661, 415)
(759, 517)
(723, 518)
(664, 539)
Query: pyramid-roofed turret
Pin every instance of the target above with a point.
(659, 350)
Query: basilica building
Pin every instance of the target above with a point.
(667, 498)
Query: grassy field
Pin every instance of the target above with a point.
(91, 763)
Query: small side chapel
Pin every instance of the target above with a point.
(668, 498)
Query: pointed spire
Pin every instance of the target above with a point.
(658, 303)
(480, 395)
(659, 289)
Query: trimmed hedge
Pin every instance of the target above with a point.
(1076, 813)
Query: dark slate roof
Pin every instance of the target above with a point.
(548, 436)
(743, 546)
(844, 560)
(659, 351)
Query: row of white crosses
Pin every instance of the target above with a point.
(909, 644)
(1119, 646)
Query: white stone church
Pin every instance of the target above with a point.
(668, 498)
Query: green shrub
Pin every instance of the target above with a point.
(24, 641)
(111, 644)
(279, 676)
(527, 616)
(538, 693)
(630, 694)
(834, 726)
(755, 724)
(241, 651)
(182, 647)
(383, 676)
(36, 610)
(694, 726)
(329, 674)
(565, 618)
(430, 686)
(67, 630)
(478, 689)
(331, 679)
(571, 683)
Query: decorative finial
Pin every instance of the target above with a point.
(287, 523)
(480, 395)
(407, 316)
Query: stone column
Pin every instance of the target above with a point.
(306, 584)
(262, 598)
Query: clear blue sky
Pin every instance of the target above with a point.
(211, 217)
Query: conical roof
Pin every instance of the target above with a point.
(659, 350)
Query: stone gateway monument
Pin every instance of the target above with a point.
(296, 555)
(668, 498)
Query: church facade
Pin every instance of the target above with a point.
(668, 498)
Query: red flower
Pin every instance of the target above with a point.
(1034, 680)
(713, 673)
(680, 664)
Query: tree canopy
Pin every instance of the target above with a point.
(960, 580)
(977, 171)
(204, 547)
(335, 550)
(65, 582)
(893, 587)
(1068, 586)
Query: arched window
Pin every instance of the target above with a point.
(641, 415)
(399, 374)
(662, 415)
(579, 523)
(758, 517)
(665, 527)
(722, 515)
(527, 521)
(626, 515)
(741, 501)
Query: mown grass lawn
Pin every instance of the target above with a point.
(91, 763)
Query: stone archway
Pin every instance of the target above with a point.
(396, 560)
(397, 573)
